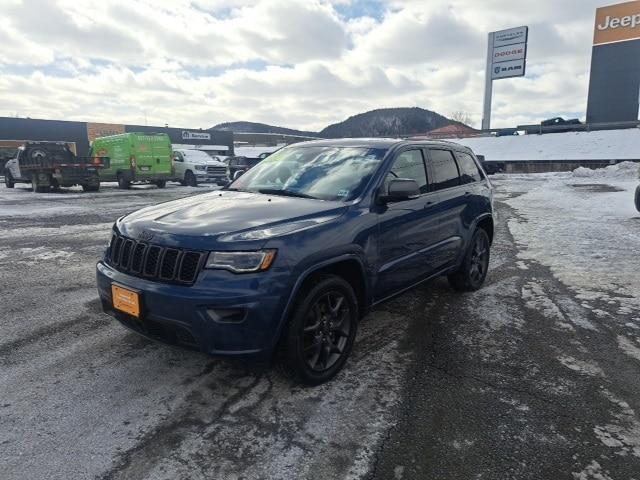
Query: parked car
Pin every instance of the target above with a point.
(239, 165)
(51, 165)
(285, 261)
(135, 158)
(192, 167)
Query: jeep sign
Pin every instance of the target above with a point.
(617, 23)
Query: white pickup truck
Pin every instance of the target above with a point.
(192, 167)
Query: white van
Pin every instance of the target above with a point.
(192, 167)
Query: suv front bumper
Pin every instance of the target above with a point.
(190, 316)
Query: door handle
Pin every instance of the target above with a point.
(429, 204)
(467, 194)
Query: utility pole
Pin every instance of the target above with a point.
(488, 85)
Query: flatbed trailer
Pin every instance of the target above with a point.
(51, 165)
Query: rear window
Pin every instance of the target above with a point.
(469, 171)
(444, 168)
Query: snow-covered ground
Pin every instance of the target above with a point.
(533, 376)
(584, 226)
(598, 145)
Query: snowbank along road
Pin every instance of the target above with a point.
(535, 376)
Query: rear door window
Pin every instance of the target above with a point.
(469, 171)
(410, 165)
(444, 169)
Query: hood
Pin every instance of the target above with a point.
(205, 217)
(204, 161)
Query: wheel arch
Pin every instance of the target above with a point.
(348, 266)
(486, 222)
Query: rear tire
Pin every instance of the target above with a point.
(123, 183)
(319, 336)
(90, 187)
(8, 180)
(637, 197)
(473, 271)
(36, 187)
(190, 179)
(161, 183)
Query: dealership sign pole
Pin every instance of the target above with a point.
(506, 58)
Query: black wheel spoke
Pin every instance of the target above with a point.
(315, 357)
(338, 305)
(326, 330)
(335, 348)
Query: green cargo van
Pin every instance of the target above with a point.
(135, 157)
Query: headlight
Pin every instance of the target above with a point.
(200, 167)
(241, 262)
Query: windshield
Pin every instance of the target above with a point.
(326, 173)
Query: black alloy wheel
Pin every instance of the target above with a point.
(473, 271)
(321, 332)
(326, 331)
(637, 198)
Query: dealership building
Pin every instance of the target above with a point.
(79, 135)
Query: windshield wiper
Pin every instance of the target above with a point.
(285, 193)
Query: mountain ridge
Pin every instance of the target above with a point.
(374, 123)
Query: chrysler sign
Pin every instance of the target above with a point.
(506, 58)
(509, 53)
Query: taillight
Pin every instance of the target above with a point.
(132, 159)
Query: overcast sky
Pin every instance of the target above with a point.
(301, 64)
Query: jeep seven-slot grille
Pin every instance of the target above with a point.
(153, 261)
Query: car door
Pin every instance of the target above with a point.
(445, 179)
(476, 189)
(406, 228)
(178, 164)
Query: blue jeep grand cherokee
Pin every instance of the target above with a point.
(290, 256)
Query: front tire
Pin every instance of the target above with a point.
(190, 179)
(8, 180)
(321, 330)
(473, 271)
(123, 183)
(637, 197)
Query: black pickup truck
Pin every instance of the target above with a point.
(51, 165)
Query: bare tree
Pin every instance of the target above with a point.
(462, 117)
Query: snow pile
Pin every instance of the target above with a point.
(624, 170)
(598, 145)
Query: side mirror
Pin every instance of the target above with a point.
(238, 174)
(399, 190)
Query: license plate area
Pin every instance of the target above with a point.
(145, 168)
(126, 300)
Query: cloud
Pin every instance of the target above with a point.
(299, 63)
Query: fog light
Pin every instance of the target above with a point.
(228, 315)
